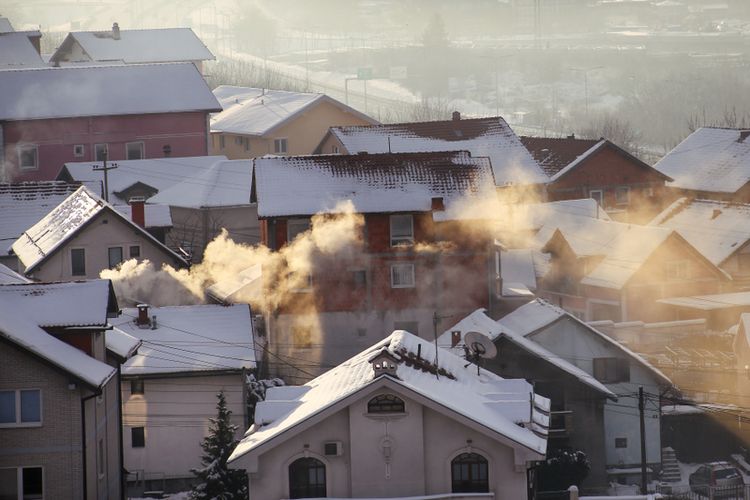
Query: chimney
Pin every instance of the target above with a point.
(455, 338)
(142, 319)
(744, 134)
(456, 116)
(138, 210)
(116, 31)
(437, 204)
(572, 136)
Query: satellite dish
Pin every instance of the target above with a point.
(480, 346)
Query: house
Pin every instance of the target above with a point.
(59, 400)
(50, 116)
(132, 47)
(24, 204)
(255, 122)
(84, 235)
(612, 270)
(719, 311)
(396, 420)
(741, 346)
(187, 354)
(512, 165)
(590, 379)
(417, 258)
(626, 187)
(711, 163)
(20, 49)
(720, 230)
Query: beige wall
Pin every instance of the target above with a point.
(303, 133)
(175, 413)
(333, 146)
(96, 238)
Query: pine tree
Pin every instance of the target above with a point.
(217, 481)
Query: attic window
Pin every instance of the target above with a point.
(28, 157)
(386, 403)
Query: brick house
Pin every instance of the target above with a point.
(59, 400)
(417, 263)
(50, 116)
(629, 189)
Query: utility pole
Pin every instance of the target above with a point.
(104, 168)
(641, 409)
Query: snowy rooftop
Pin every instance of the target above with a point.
(158, 173)
(403, 182)
(223, 184)
(717, 229)
(17, 51)
(62, 223)
(138, 46)
(535, 216)
(154, 215)
(24, 204)
(121, 344)
(190, 339)
(478, 321)
(517, 266)
(554, 154)
(32, 94)
(74, 303)
(246, 285)
(709, 159)
(17, 326)
(490, 137)
(498, 405)
(5, 25)
(257, 112)
(710, 302)
(9, 277)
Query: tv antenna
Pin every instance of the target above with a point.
(478, 347)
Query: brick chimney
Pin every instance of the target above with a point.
(138, 210)
(455, 338)
(116, 31)
(456, 116)
(142, 319)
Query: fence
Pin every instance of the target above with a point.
(740, 492)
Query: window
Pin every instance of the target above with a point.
(469, 474)
(622, 195)
(115, 256)
(648, 192)
(301, 337)
(222, 142)
(611, 370)
(101, 151)
(78, 261)
(678, 270)
(279, 146)
(134, 251)
(295, 227)
(402, 276)
(598, 195)
(402, 230)
(134, 151)
(410, 326)
(138, 437)
(360, 278)
(28, 157)
(20, 408)
(335, 150)
(386, 403)
(238, 140)
(621, 442)
(100, 457)
(21, 483)
(307, 478)
(78, 150)
(137, 386)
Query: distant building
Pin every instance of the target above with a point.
(257, 122)
(20, 50)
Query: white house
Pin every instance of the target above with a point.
(187, 354)
(399, 419)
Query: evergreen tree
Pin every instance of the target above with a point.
(216, 481)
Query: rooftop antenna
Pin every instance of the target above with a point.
(478, 347)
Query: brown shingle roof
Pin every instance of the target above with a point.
(554, 154)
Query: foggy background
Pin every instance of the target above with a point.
(644, 73)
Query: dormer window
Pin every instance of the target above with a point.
(386, 403)
(384, 363)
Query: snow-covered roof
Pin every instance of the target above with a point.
(223, 184)
(63, 222)
(137, 46)
(495, 404)
(402, 182)
(517, 266)
(17, 51)
(121, 344)
(245, 286)
(710, 159)
(257, 112)
(158, 173)
(478, 321)
(742, 337)
(69, 304)
(490, 137)
(535, 216)
(9, 277)
(190, 339)
(17, 326)
(5, 25)
(717, 229)
(710, 302)
(154, 215)
(24, 204)
(555, 153)
(79, 91)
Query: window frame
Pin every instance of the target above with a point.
(677, 270)
(314, 490)
(377, 405)
(222, 142)
(277, 142)
(24, 147)
(477, 485)
(293, 331)
(621, 442)
(18, 409)
(600, 199)
(137, 387)
(401, 240)
(413, 283)
(618, 191)
(76, 152)
(130, 251)
(141, 438)
(611, 370)
(105, 150)
(142, 150)
(20, 492)
(109, 256)
(297, 223)
(72, 266)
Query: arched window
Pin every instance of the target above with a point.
(386, 403)
(307, 478)
(469, 474)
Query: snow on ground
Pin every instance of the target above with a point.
(183, 495)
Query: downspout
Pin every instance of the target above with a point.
(83, 440)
